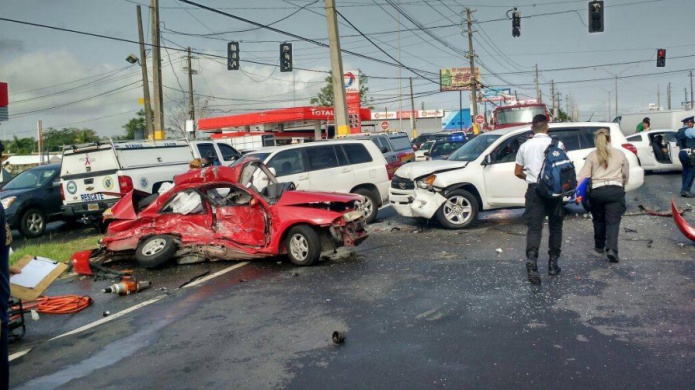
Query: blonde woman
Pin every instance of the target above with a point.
(608, 170)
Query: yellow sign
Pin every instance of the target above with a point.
(141, 101)
(457, 79)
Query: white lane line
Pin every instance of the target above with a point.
(110, 318)
(216, 274)
(19, 354)
(104, 320)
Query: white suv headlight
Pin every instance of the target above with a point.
(6, 202)
(427, 182)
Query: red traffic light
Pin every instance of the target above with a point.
(660, 58)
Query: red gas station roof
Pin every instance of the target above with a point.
(294, 114)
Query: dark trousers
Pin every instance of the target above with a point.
(607, 209)
(688, 173)
(537, 208)
(4, 303)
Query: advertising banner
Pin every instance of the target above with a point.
(352, 99)
(457, 79)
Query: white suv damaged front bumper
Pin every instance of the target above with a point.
(417, 202)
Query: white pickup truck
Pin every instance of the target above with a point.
(95, 176)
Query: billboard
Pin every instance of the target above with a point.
(497, 95)
(456, 79)
(438, 113)
(352, 100)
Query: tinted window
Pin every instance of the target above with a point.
(342, 158)
(442, 148)
(228, 152)
(287, 162)
(206, 150)
(357, 153)
(575, 139)
(382, 143)
(400, 143)
(507, 151)
(321, 157)
(634, 138)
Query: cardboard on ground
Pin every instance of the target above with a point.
(37, 274)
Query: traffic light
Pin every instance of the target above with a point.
(516, 23)
(233, 56)
(285, 57)
(660, 58)
(596, 16)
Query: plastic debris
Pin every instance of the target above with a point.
(498, 250)
(338, 337)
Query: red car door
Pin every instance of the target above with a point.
(240, 217)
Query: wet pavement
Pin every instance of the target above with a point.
(421, 307)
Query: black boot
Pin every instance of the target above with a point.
(612, 256)
(532, 269)
(553, 268)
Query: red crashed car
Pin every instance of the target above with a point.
(218, 213)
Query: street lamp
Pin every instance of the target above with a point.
(616, 84)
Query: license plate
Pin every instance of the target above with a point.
(88, 197)
(93, 207)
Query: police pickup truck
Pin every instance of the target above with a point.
(95, 176)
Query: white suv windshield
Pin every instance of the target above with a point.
(473, 148)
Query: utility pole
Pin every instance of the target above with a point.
(149, 133)
(340, 110)
(692, 103)
(538, 88)
(471, 57)
(400, 85)
(191, 107)
(39, 124)
(668, 96)
(686, 96)
(567, 103)
(616, 96)
(157, 74)
(609, 107)
(658, 96)
(552, 97)
(413, 120)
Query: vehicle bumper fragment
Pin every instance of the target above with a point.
(417, 203)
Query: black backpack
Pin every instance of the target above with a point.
(557, 177)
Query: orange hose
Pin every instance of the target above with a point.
(62, 304)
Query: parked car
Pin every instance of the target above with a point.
(418, 141)
(343, 165)
(32, 199)
(441, 149)
(657, 149)
(424, 148)
(480, 175)
(395, 147)
(218, 213)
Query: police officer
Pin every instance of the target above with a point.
(686, 142)
(529, 162)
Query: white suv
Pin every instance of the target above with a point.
(480, 175)
(349, 166)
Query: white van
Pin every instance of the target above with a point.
(349, 166)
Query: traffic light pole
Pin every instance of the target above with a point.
(157, 75)
(340, 106)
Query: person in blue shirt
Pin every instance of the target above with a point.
(686, 142)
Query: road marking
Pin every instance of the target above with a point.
(19, 354)
(104, 320)
(110, 318)
(216, 274)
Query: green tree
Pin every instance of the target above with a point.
(325, 97)
(135, 124)
(54, 139)
(21, 145)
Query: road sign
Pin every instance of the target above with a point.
(385, 125)
(479, 119)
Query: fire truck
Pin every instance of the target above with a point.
(520, 113)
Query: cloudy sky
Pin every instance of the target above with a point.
(68, 79)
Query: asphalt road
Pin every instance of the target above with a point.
(421, 307)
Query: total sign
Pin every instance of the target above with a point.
(352, 82)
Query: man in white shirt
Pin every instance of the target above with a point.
(529, 162)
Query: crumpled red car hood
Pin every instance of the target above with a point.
(291, 198)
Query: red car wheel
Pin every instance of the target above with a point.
(303, 245)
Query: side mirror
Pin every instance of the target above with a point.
(273, 171)
(427, 154)
(487, 160)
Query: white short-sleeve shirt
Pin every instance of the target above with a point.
(531, 155)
